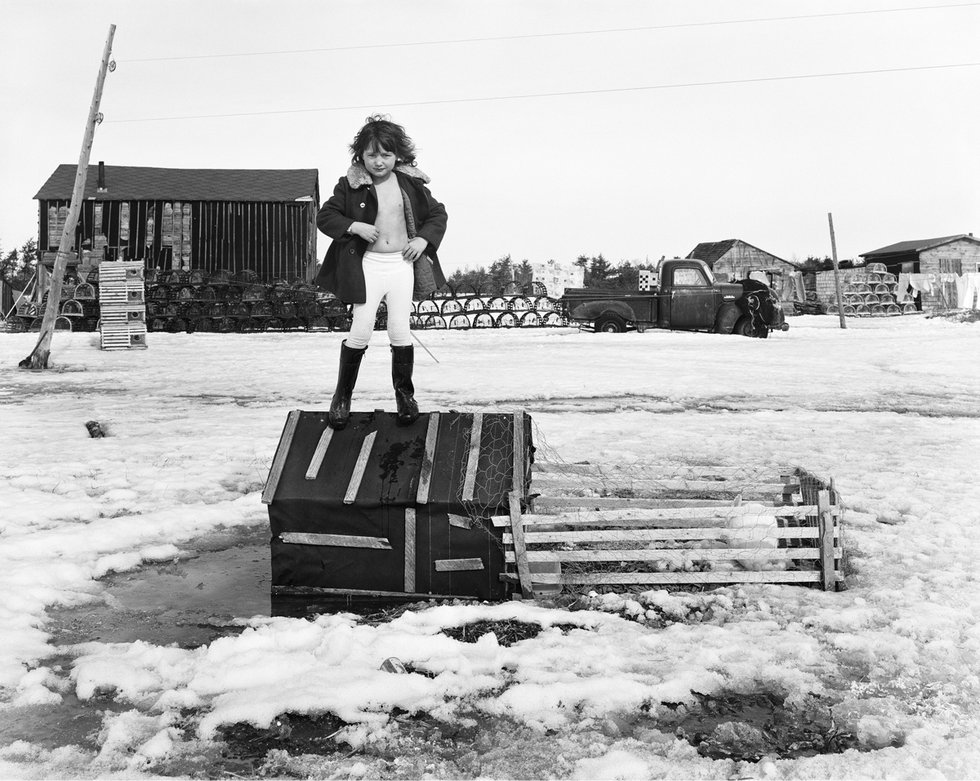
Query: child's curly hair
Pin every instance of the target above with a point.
(379, 131)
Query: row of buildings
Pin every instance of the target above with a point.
(264, 220)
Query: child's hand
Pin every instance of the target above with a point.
(367, 232)
(415, 248)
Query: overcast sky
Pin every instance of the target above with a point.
(648, 156)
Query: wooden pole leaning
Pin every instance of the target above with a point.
(38, 359)
(833, 247)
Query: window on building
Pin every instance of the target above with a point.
(950, 266)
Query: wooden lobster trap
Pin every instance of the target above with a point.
(700, 526)
(383, 511)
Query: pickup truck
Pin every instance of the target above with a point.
(688, 298)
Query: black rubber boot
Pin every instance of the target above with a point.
(350, 363)
(402, 364)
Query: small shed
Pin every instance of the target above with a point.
(382, 510)
(262, 220)
(945, 255)
(736, 259)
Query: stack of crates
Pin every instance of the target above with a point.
(122, 305)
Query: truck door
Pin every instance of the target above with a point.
(691, 301)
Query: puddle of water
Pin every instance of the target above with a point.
(69, 723)
(188, 602)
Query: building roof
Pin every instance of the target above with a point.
(916, 246)
(712, 251)
(132, 183)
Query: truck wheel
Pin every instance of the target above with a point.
(610, 324)
(744, 327)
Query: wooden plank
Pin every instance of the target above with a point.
(653, 516)
(606, 502)
(828, 569)
(690, 472)
(517, 532)
(425, 474)
(358, 474)
(622, 578)
(410, 535)
(314, 591)
(647, 535)
(519, 466)
(671, 554)
(458, 565)
(643, 483)
(279, 460)
(321, 450)
(460, 521)
(336, 540)
(473, 458)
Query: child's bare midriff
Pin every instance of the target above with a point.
(392, 233)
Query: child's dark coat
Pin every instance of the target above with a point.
(355, 199)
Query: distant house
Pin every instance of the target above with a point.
(959, 254)
(736, 259)
(263, 220)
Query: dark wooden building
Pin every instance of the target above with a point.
(263, 220)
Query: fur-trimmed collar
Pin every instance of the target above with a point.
(357, 175)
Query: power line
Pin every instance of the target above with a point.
(608, 90)
(611, 30)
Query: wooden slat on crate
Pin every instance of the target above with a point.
(517, 540)
(654, 515)
(607, 502)
(358, 474)
(458, 565)
(425, 471)
(460, 521)
(671, 554)
(313, 591)
(828, 554)
(644, 483)
(473, 458)
(691, 472)
(653, 578)
(279, 460)
(646, 534)
(410, 533)
(336, 540)
(318, 454)
(519, 467)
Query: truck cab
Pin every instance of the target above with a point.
(686, 298)
(690, 297)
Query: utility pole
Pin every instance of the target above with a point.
(38, 359)
(833, 247)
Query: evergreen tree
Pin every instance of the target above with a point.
(18, 266)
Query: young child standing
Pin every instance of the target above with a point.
(386, 228)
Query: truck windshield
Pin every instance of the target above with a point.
(689, 277)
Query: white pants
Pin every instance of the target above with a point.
(388, 276)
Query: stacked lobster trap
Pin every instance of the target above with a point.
(122, 305)
(226, 302)
(871, 292)
(185, 301)
(513, 306)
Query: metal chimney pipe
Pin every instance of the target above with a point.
(101, 176)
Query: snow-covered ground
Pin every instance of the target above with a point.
(889, 407)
